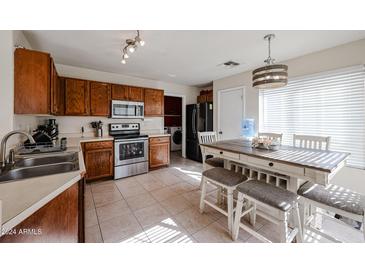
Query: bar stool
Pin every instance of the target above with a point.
(227, 180)
(278, 204)
(335, 199)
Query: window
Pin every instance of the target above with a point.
(326, 104)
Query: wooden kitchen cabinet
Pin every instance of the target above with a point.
(32, 82)
(127, 93)
(153, 102)
(159, 152)
(59, 221)
(57, 92)
(100, 96)
(77, 97)
(210, 97)
(135, 94)
(99, 159)
(119, 92)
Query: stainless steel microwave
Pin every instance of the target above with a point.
(127, 109)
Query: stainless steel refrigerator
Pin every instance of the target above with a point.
(199, 118)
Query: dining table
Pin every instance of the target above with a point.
(299, 165)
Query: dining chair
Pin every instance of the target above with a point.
(271, 135)
(208, 137)
(311, 141)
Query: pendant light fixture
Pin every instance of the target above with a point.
(271, 75)
(131, 46)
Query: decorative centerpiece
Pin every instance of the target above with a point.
(265, 142)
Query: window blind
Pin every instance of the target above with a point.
(326, 104)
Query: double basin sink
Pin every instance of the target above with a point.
(40, 165)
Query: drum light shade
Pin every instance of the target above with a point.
(271, 75)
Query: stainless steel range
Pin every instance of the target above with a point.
(130, 149)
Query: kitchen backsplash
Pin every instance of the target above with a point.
(71, 125)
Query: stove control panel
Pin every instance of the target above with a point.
(124, 126)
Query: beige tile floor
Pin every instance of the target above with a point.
(162, 206)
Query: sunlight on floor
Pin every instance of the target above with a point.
(139, 238)
(165, 232)
(195, 175)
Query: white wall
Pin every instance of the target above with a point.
(6, 82)
(338, 57)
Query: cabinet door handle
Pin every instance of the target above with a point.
(271, 164)
(221, 152)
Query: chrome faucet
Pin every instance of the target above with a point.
(5, 139)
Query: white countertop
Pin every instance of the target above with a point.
(159, 135)
(156, 133)
(75, 141)
(21, 198)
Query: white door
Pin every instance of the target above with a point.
(230, 113)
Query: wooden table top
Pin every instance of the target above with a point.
(323, 160)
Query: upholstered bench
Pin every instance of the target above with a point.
(225, 179)
(279, 204)
(335, 199)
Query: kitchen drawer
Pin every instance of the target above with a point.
(284, 168)
(98, 145)
(159, 140)
(226, 154)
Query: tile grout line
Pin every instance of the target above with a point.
(96, 213)
(133, 213)
(161, 205)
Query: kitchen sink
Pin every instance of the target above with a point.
(31, 167)
(37, 161)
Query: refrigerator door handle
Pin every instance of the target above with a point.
(193, 118)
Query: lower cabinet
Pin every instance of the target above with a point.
(59, 221)
(159, 152)
(99, 159)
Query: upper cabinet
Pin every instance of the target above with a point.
(119, 92)
(32, 82)
(135, 94)
(100, 96)
(57, 92)
(127, 93)
(153, 102)
(38, 89)
(77, 97)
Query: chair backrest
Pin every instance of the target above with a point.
(313, 142)
(272, 135)
(207, 137)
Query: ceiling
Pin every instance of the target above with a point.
(184, 57)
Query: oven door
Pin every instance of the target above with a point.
(130, 151)
(127, 109)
